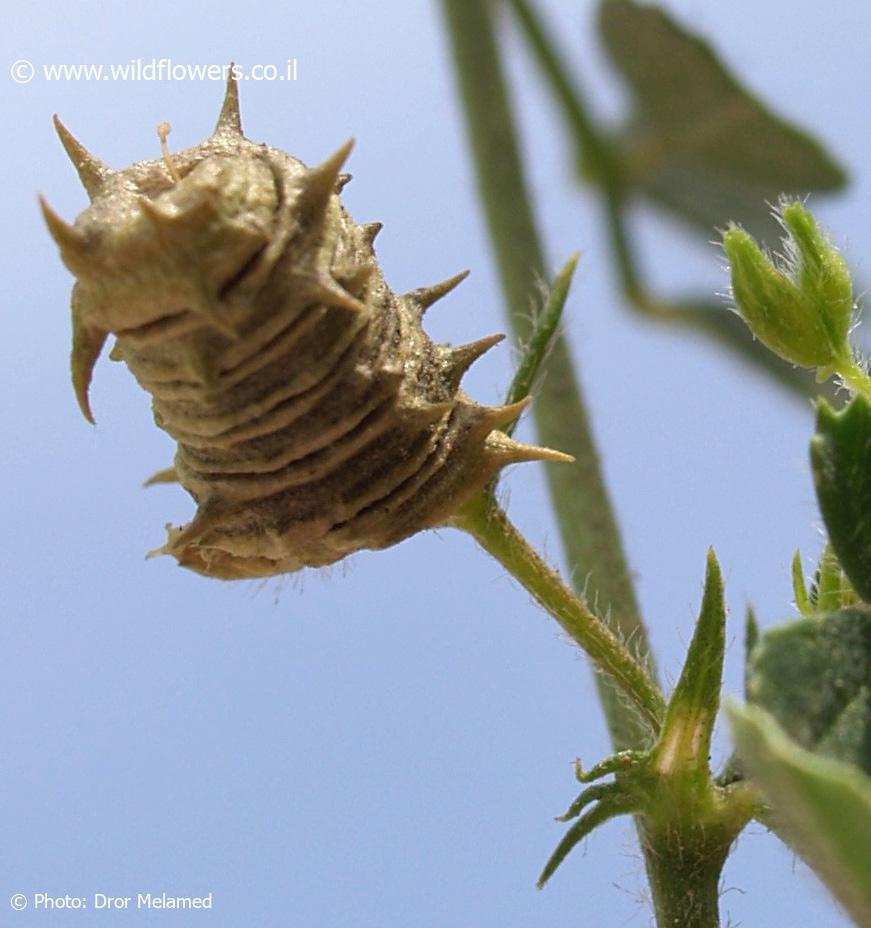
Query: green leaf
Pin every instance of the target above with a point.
(540, 342)
(814, 677)
(841, 460)
(623, 762)
(686, 733)
(613, 800)
(822, 807)
(831, 590)
(586, 796)
(799, 589)
(700, 144)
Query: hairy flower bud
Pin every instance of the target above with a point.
(801, 305)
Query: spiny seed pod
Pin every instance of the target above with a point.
(313, 415)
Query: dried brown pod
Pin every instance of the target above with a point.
(313, 415)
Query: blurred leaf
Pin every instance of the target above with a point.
(597, 156)
(699, 143)
(822, 807)
(751, 639)
(814, 677)
(841, 459)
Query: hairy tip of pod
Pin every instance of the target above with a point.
(330, 292)
(68, 240)
(230, 118)
(87, 345)
(495, 417)
(92, 172)
(61, 231)
(504, 450)
(500, 448)
(355, 277)
(165, 475)
(319, 184)
(153, 212)
(369, 231)
(87, 341)
(459, 359)
(424, 297)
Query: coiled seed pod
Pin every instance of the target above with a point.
(313, 415)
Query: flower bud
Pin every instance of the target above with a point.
(799, 305)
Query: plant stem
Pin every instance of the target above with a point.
(856, 378)
(685, 879)
(587, 524)
(482, 518)
(589, 140)
(624, 254)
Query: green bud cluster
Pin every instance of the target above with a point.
(800, 305)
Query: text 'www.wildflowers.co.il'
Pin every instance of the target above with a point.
(24, 70)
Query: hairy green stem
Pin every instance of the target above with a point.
(587, 524)
(855, 377)
(482, 518)
(684, 874)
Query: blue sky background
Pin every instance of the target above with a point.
(384, 743)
